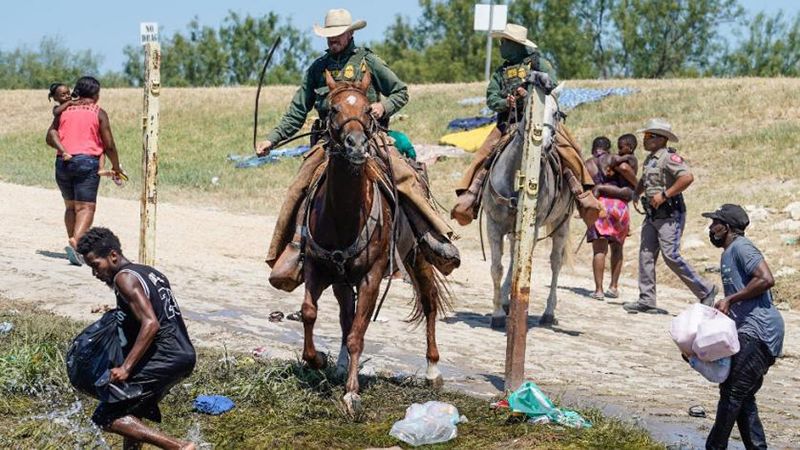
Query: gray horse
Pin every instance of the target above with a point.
(553, 213)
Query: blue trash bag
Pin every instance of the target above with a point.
(92, 355)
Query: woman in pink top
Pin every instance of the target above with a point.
(84, 132)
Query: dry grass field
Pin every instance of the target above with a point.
(740, 136)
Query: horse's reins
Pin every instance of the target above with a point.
(333, 131)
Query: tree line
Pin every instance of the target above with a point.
(582, 38)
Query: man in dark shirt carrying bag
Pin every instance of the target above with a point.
(747, 280)
(155, 343)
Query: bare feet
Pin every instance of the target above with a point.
(188, 446)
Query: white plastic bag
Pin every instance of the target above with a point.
(716, 338)
(429, 423)
(684, 326)
(714, 371)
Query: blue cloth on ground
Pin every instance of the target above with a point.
(213, 404)
(567, 100)
(244, 162)
(573, 97)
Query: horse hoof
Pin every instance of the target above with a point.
(498, 322)
(507, 309)
(352, 402)
(548, 320)
(319, 361)
(435, 383)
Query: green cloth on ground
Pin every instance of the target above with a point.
(531, 401)
(403, 144)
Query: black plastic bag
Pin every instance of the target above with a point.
(91, 356)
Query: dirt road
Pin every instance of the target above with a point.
(598, 355)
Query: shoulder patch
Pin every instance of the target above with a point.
(675, 158)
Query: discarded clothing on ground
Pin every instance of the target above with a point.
(244, 162)
(531, 401)
(468, 140)
(213, 404)
(430, 154)
(429, 423)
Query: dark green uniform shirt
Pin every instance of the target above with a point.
(511, 75)
(349, 65)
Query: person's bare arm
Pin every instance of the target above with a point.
(761, 282)
(53, 140)
(609, 190)
(107, 137)
(627, 172)
(60, 108)
(132, 290)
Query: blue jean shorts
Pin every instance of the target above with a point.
(77, 178)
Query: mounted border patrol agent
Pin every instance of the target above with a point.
(387, 94)
(506, 96)
(665, 175)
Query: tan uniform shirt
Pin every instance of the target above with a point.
(661, 169)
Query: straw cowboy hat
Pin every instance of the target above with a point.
(516, 33)
(660, 127)
(337, 22)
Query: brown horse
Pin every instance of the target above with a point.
(348, 234)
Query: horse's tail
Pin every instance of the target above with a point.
(431, 289)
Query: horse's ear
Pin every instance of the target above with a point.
(329, 80)
(365, 81)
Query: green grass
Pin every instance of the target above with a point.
(279, 404)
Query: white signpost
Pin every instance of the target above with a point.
(150, 118)
(486, 14)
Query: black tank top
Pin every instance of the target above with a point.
(171, 354)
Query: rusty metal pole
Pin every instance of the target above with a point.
(149, 200)
(527, 183)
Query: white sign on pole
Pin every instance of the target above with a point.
(148, 32)
(499, 14)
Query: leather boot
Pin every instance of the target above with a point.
(589, 207)
(466, 208)
(437, 249)
(287, 272)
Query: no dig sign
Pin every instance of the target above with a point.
(148, 32)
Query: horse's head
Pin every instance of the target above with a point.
(350, 124)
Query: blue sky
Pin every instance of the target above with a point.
(106, 26)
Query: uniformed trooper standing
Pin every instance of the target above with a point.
(665, 176)
(505, 95)
(387, 94)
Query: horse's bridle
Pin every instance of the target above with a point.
(334, 130)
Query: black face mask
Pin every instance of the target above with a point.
(717, 241)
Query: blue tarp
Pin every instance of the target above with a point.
(243, 162)
(567, 100)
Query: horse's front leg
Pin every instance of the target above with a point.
(314, 288)
(347, 304)
(556, 261)
(367, 296)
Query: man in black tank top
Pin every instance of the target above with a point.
(158, 352)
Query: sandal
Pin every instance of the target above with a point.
(598, 297)
(73, 256)
(275, 316)
(612, 293)
(296, 316)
